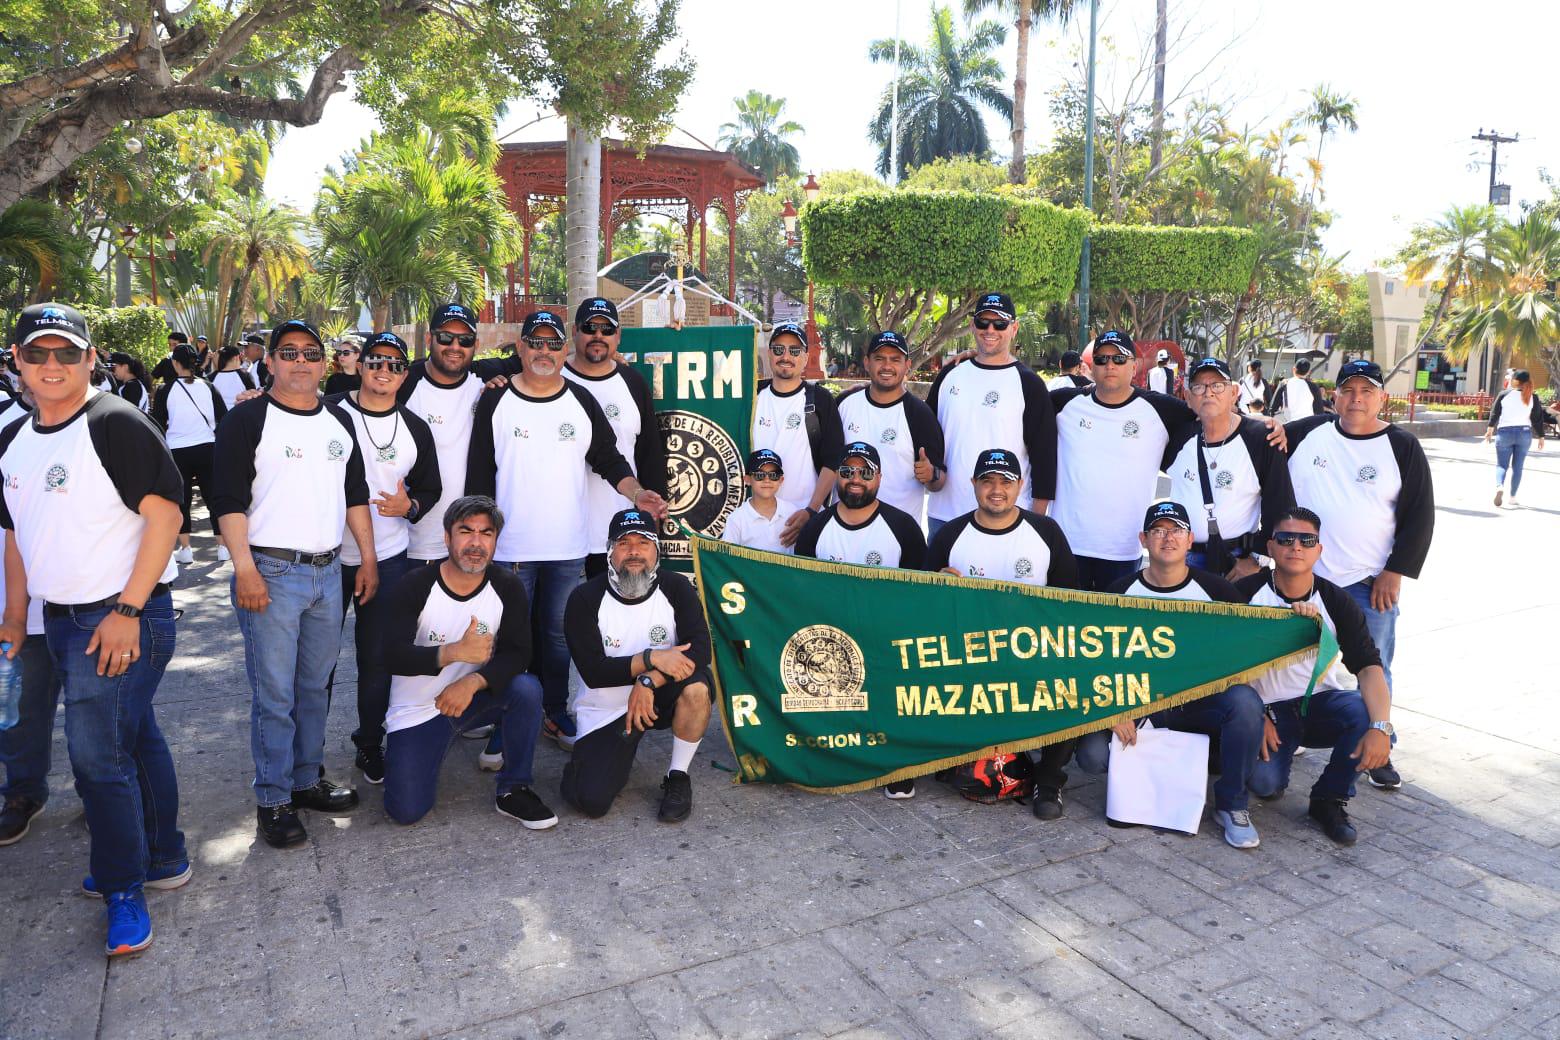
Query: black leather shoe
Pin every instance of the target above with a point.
(280, 826)
(16, 817)
(676, 797)
(1330, 813)
(326, 796)
(1046, 804)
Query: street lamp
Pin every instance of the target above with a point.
(170, 251)
(814, 368)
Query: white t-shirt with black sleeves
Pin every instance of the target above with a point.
(1031, 550)
(1199, 585)
(606, 632)
(1248, 476)
(983, 406)
(189, 412)
(803, 427)
(899, 431)
(231, 383)
(71, 495)
(535, 456)
(746, 526)
(396, 446)
(1110, 458)
(625, 400)
(1510, 413)
(13, 410)
(424, 614)
(1342, 616)
(1373, 493)
(888, 538)
(294, 473)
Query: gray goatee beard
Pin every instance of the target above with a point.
(630, 585)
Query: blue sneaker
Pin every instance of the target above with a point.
(129, 925)
(560, 728)
(161, 878)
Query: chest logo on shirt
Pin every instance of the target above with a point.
(793, 420)
(1223, 478)
(56, 478)
(765, 421)
(434, 420)
(953, 391)
(1130, 428)
(658, 634)
(565, 431)
(991, 399)
(1023, 567)
(1319, 461)
(608, 643)
(386, 454)
(523, 433)
(822, 669)
(292, 453)
(854, 427)
(890, 435)
(874, 559)
(1366, 475)
(613, 411)
(335, 449)
(482, 628)
(1085, 424)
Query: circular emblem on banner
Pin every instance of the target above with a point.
(658, 633)
(335, 449)
(56, 477)
(822, 667)
(1224, 478)
(387, 453)
(703, 472)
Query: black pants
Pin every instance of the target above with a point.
(603, 758)
(373, 682)
(195, 463)
(1049, 762)
(595, 564)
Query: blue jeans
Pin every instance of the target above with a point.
(25, 747)
(1511, 448)
(1096, 575)
(1234, 715)
(933, 525)
(413, 755)
(290, 648)
(124, 773)
(373, 678)
(547, 587)
(1336, 719)
(1382, 625)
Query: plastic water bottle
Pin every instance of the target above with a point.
(10, 687)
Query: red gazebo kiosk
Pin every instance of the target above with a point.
(680, 183)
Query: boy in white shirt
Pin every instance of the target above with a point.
(758, 522)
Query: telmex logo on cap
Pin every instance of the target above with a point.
(998, 456)
(52, 312)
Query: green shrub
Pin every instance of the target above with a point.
(1172, 259)
(141, 332)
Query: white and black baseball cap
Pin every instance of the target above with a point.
(1000, 304)
(632, 521)
(542, 320)
(51, 319)
(595, 307)
(997, 460)
(453, 312)
(888, 338)
(1175, 512)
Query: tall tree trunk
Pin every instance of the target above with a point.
(235, 314)
(1020, 92)
(582, 226)
(123, 290)
(381, 312)
(1161, 43)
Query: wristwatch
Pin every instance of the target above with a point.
(126, 610)
(1385, 727)
(644, 680)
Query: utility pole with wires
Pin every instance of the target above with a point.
(1500, 194)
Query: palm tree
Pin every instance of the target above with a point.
(1453, 248)
(758, 137)
(943, 88)
(1025, 14)
(36, 245)
(253, 236)
(1328, 110)
(1513, 304)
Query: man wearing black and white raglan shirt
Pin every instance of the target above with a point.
(1247, 477)
(289, 481)
(625, 400)
(1369, 481)
(442, 391)
(401, 467)
(90, 506)
(1002, 541)
(858, 527)
(536, 441)
(992, 399)
(799, 422)
(1297, 397)
(900, 424)
(642, 648)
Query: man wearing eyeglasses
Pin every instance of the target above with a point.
(625, 400)
(993, 398)
(91, 511)
(799, 422)
(858, 528)
(899, 423)
(535, 443)
(401, 467)
(1369, 481)
(289, 481)
(1234, 482)
(1350, 710)
(442, 390)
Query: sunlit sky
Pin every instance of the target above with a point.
(1427, 75)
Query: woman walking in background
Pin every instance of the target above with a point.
(188, 409)
(230, 378)
(1516, 419)
(135, 385)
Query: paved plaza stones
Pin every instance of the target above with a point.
(775, 913)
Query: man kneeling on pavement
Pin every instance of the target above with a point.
(642, 650)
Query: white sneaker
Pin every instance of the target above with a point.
(900, 790)
(1238, 830)
(1511, 503)
(184, 555)
(223, 556)
(490, 763)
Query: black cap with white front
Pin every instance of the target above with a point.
(889, 338)
(453, 312)
(51, 319)
(632, 521)
(295, 325)
(1209, 364)
(765, 457)
(997, 460)
(787, 328)
(542, 320)
(1175, 512)
(861, 450)
(596, 307)
(1000, 304)
(387, 339)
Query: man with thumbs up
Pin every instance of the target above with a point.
(402, 469)
(901, 426)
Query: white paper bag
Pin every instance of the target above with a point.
(1161, 781)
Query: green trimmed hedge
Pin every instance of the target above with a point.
(953, 242)
(139, 331)
(1172, 259)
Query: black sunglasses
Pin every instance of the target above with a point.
(543, 343)
(767, 474)
(1307, 541)
(1112, 359)
(35, 355)
(1000, 324)
(374, 362)
(465, 339)
(783, 351)
(599, 330)
(309, 354)
(852, 472)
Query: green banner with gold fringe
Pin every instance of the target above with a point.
(836, 678)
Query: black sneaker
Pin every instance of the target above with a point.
(1047, 804)
(370, 762)
(900, 791)
(17, 817)
(280, 826)
(1334, 818)
(325, 796)
(1385, 777)
(676, 797)
(522, 804)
